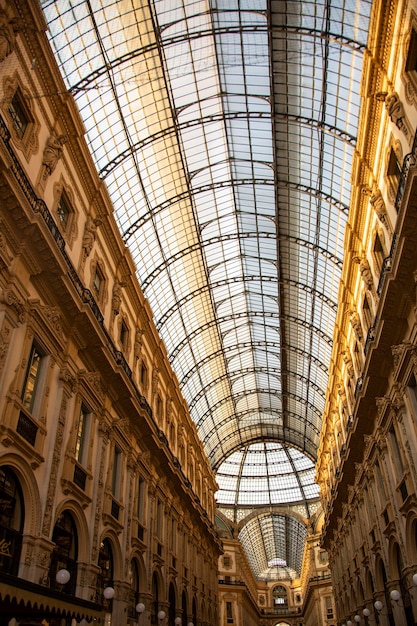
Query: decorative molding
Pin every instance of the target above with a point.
(10, 299)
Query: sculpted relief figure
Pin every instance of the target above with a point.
(378, 204)
(53, 152)
(365, 270)
(90, 234)
(395, 111)
(356, 324)
(7, 34)
(117, 296)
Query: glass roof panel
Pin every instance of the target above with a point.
(224, 131)
(274, 546)
(272, 473)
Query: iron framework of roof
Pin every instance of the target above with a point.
(224, 132)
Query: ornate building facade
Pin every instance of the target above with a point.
(107, 498)
(368, 452)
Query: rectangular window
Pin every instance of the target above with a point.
(30, 392)
(116, 473)
(396, 452)
(394, 169)
(184, 547)
(63, 211)
(367, 312)
(143, 375)
(323, 556)
(81, 443)
(18, 114)
(124, 333)
(141, 499)
(159, 519)
(411, 63)
(404, 491)
(98, 281)
(411, 396)
(380, 484)
(173, 535)
(329, 608)
(158, 407)
(229, 612)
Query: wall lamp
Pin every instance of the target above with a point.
(395, 595)
(378, 605)
(108, 593)
(177, 621)
(357, 619)
(140, 607)
(62, 576)
(161, 616)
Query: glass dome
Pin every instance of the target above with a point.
(266, 474)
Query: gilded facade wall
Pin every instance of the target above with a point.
(368, 452)
(102, 474)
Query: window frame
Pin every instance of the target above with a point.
(82, 436)
(31, 400)
(19, 114)
(116, 472)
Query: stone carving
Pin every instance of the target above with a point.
(99, 503)
(4, 344)
(53, 152)
(396, 112)
(396, 353)
(117, 296)
(47, 519)
(53, 315)
(365, 270)
(349, 365)
(378, 204)
(356, 324)
(66, 377)
(17, 305)
(93, 380)
(155, 380)
(5, 254)
(90, 234)
(8, 29)
(138, 342)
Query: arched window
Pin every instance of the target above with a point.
(378, 252)
(279, 595)
(65, 553)
(367, 312)
(12, 515)
(134, 588)
(172, 604)
(106, 573)
(184, 607)
(155, 595)
(403, 587)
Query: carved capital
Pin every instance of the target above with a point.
(9, 299)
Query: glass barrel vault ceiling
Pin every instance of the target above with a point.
(224, 131)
